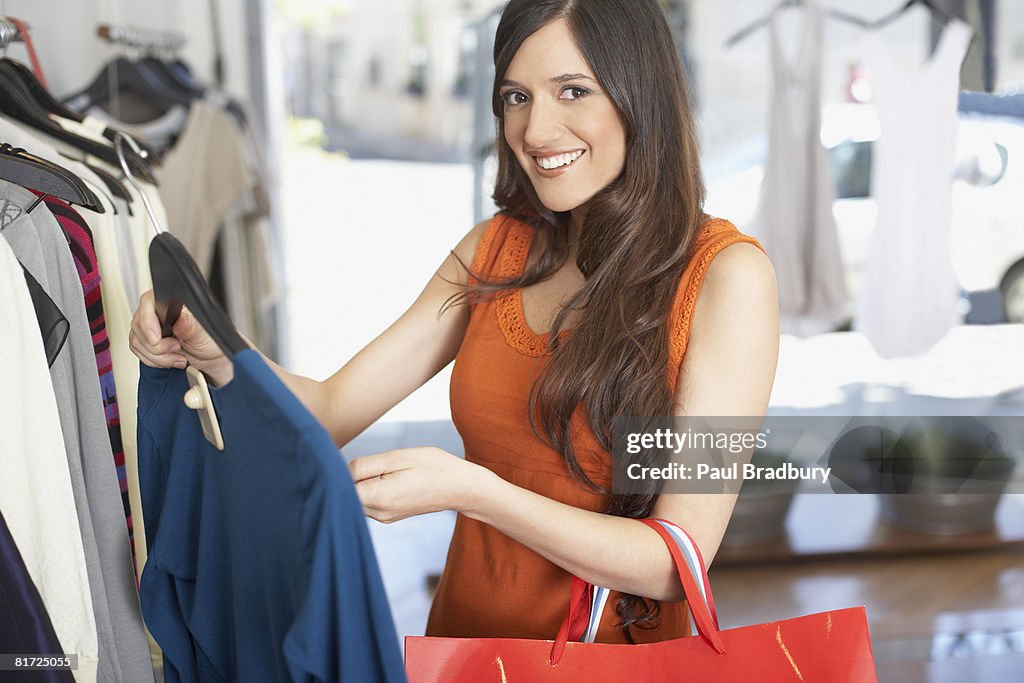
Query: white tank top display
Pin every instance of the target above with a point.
(909, 299)
(794, 220)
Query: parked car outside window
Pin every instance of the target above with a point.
(988, 197)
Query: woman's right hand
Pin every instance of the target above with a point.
(190, 343)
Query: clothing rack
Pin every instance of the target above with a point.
(164, 41)
(9, 32)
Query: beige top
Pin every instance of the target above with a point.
(201, 178)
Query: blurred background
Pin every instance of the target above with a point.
(374, 119)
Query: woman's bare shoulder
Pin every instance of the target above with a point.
(467, 246)
(738, 269)
(738, 291)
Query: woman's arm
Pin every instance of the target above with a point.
(400, 360)
(729, 370)
(411, 351)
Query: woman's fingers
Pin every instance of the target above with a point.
(183, 326)
(169, 356)
(146, 320)
(165, 345)
(146, 326)
(380, 499)
(146, 342)
(377, 465)
(368, 467)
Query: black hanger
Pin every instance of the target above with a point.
(231, 106)
(763, 21)
(172, 78)
(151, 156)
(123, 75)
(182, 67)
(937, 13)
(47, 102)
(117, 189)
(18, 103)
(29, 171)
(177, 282)
(40, 94)
(183, 72)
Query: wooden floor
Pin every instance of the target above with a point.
(942, 616)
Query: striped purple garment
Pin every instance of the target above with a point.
(80, 240)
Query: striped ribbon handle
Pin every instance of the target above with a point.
(692, 572)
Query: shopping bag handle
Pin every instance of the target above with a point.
(579, 621)
(576, 619)
(690, 552)
(703, 610)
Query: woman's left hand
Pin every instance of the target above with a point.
(413, 481)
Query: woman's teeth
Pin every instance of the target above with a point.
(550, 163)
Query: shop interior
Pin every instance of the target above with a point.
(875, 149)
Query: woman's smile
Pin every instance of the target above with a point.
(554, 165)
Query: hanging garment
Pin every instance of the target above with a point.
(124, 234)
(244, 263)
(245, 255)
(910, 292)
(241, 267)
(116, 307)
(794, 220)
(77, 399)
(160, 133)
(495, 369)
(121, 236)
(135, 274)
(80, 241)
(260, 562)
(40, 244)
(201, 178)
(25, 627)
(36, 498)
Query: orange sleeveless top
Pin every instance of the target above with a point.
(493, 586)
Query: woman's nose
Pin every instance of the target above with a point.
(544, 125)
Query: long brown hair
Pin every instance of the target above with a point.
(635, 243)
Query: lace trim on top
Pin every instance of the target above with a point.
(715, 236)
(509, 307)
(484, 248)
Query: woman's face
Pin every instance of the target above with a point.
(559, 123)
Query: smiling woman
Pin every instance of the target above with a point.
(562, 127)
(601, 289)
(601, 232)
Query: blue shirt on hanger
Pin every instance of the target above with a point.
(260, 563)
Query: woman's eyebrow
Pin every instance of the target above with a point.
(564, 78)
(571, 77)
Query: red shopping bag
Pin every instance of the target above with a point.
(830, 646)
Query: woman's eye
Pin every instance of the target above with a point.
(513, 97)
(574, 92)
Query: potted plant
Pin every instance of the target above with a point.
(944, 476)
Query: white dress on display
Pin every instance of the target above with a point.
(909, 299)
(794, 220)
